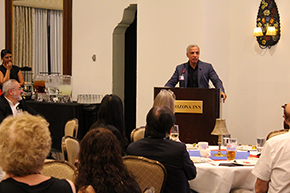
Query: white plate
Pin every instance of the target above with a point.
(190, 147)
(198, 159)
(246, 148)
(246, 162)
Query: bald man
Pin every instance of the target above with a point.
(273, 167)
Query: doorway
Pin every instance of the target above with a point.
(130, 76)
(125, 65)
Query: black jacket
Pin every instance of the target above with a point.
(5, 109)
(173, 155)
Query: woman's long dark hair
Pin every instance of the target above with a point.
(111, 113)
(101, 164)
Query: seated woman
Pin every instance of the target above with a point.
(165, 98)
(24, 144)
(101, 168)
(111, 116)
(9, 71)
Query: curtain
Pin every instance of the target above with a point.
(30, 39)
(40, 64)
(23, 36)
(56, 33)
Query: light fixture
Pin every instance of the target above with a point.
(220, 129)
(258, 31)
(267, 29)
(271, 31)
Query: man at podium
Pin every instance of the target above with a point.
(195, 73)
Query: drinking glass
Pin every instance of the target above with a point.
(174, 134)
(203, 149)
(232, 148)
(225, 141)
(260, 143)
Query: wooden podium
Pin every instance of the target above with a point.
(195, 127)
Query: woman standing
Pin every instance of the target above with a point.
(8, 70)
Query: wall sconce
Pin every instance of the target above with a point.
(267, 29)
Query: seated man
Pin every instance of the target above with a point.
(173, 155)
(11, 102)
(273, 167)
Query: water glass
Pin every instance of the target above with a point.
(89, 98)
(260, 143)
(225, 141)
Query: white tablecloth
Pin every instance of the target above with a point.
(221, 179)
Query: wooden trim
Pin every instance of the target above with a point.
(9, 25)
(67, 37)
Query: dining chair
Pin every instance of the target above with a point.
(70, 148)
(89, 189)
(276, 132)
(241, 190)
(137, 133)
(150, 189)
(58, 169)
(71, 128)
(147, 172)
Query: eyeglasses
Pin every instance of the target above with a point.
(20, 88)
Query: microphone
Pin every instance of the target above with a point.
(204, 77)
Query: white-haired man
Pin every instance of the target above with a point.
(11, 102)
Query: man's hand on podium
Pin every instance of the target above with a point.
(224, 96)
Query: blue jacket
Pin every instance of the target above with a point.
(205, 73)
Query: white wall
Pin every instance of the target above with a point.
(256, 80)
(165, 28)
(93, 25)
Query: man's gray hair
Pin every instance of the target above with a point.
(9, 84)
(191, 45)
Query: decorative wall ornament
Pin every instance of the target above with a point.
(267, 30)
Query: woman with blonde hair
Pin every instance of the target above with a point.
(24, 144)
(165, 98)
